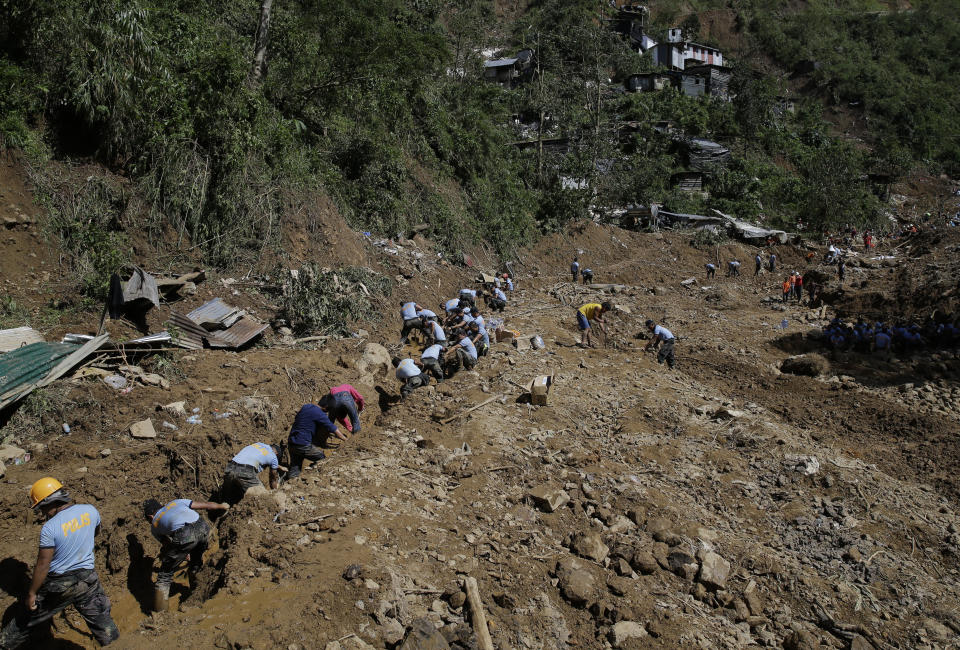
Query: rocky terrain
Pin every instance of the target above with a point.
(725, 504)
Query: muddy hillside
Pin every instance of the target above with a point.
(723, 504)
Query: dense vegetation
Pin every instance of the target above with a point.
(380, 104)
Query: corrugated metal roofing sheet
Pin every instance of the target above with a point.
(215, 312)
(30, 363)
(238, 335)
(498, 63)
(186, 333)
(18, 337)
(39, 364)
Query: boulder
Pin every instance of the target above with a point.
(714, 571)
(643, 562)
(549, 498)
(10, 454)
(590, 546)
(423, 635)
(625, 631)
(3, 470)
(808, 365)
(576, 583)
(682, 564)
(374, 360)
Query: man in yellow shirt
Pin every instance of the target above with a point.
(592, 311)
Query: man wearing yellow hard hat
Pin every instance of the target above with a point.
(64, 574)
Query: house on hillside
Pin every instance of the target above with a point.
(512, 71)
(630, 22)
(677, 54)
(691, 85)
(717, 78)
(646, 82)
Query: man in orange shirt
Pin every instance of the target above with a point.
(786, 289)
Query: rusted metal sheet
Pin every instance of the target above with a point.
(238, 335)
(215, 313)
(18, 337)
(186, 333)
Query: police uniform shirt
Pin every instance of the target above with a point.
(70, 534)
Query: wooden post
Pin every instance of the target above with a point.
(477, 615)
(258, 69)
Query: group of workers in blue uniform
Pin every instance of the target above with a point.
(902, 337)
(455, 340)
(64, 573)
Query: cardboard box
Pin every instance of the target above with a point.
(505, 335)
(522, 343)
(540, 390)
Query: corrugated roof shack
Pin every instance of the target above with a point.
(510, 72)
(716, 77)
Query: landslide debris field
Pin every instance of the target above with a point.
(720, 505)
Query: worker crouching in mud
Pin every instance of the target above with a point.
(64, 574)
(183, 535)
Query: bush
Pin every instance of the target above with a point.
(321, 301)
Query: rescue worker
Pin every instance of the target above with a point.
(434, 332)
(468, 296)
(408, 312)
(773, 262)
(592, 311)
(466, 352)
(64, 573)
(587, 275)
(311, 428)
(733, 269)
(798, 286)
(509, 282)
(344, 405)
(498, 300)
(183, 535)
(432, 361)
(575, 270)
(759, 264)
(243, 470)
(786, 290)
(711, 270)
(842, 270)
(408, 371)
(478, 335)
(662, 341)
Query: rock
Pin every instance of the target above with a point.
(624, 631)
(809, 365)
(391, 631)
(576, 584)
(662, 530)
(643, 562)
(424, 636)
(105, 452)
(728, 414)
(859, 643)
(621, 524)
(143, 429)
(682, 564)
(353, 643)
(177, 409)
(549, 498)
(623, 568)
(590, 546)
(352, 571)
(714, 570)
(619, 586)
(10, 454)
(934, 628)
(153, 379)
(375, 360)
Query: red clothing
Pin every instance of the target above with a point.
(357, 397)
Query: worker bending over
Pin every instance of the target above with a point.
(662, 341)
(591, 312)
